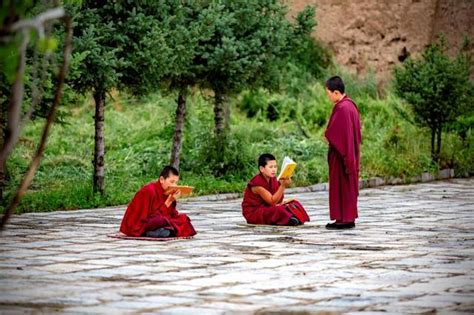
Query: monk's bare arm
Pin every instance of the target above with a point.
(268, 197)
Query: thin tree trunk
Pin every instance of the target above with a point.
(3, 180)
(219, 115)
(226, 113)
(3, 166)
(178, 128)
(438, 145)
(433, 135)
(220, 131)
(99, 148)
(28, 177)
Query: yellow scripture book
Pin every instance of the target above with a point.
(287, 168)
(185, 190)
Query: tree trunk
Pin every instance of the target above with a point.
(99, 149)
(226, 113)
(433, 135)
(219, 115)
(225, 100)
(221, 120)
(178, 128)
(3, 166)
(3, 180)
(438, 145)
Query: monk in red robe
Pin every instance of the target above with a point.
(263, 198)
(153, 213)
(344, 136)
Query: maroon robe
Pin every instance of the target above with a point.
(257, 211)
(344, 136)
(147, 212)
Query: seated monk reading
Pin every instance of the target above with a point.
(152, 213)
(263, 198)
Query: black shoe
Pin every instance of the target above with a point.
(294, 221)
(340, 226)
(160, 233)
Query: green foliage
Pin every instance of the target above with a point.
(10, 12)
(308, 54)
(95, 60)
(39, 58)
(437, 88)
(159, 43)
(135, 46)
(247, 40)
(8, 64)
(312, 57)
(47, 45)
(308, 108)
(463, 125)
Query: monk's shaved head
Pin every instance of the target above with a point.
(335, 83)
(168, 171)
(264, 159)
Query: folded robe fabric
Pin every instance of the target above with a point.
(144, 238)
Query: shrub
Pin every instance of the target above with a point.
(437, 88)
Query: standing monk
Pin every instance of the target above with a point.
(344, 137)
(152, 213)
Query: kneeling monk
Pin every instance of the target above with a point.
(153, 213)
(263, 198)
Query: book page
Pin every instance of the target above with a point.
(287, 168)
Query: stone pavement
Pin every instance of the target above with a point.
(412, 252)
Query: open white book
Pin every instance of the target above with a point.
(287, 168)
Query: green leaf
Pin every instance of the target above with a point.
(47, 45)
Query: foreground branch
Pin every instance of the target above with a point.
(38, 21)
(16, 99)
(28, 177)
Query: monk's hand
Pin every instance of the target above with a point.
(285, 182)
(177, 194)
(172, 198)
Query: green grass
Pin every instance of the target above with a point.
(138, 137)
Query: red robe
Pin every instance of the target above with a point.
(257, 211)
(344, 136)
(147, 211)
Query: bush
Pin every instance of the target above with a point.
(312, 57)
(437, 88)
